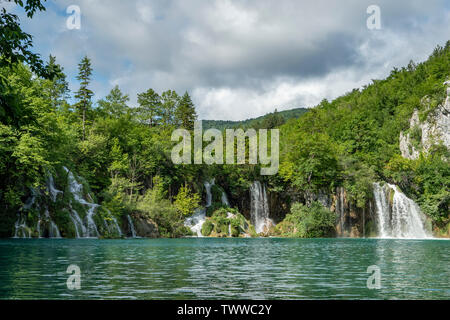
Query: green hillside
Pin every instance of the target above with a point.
(268, 121)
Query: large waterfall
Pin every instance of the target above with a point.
(259, 207)
(397, 215)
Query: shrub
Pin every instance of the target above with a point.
(207, 228)
(307, 222)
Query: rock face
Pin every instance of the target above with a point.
(145, 227)
(352, 221)
(434, 130)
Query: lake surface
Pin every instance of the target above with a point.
(225, 268)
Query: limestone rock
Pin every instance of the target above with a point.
(434, 130)
(145, 227)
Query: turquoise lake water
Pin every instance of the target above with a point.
(198, 268)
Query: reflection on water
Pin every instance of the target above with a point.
(225, 268)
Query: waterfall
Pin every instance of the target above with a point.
(116, 225)
(76, 190)
(38, 226)
(208, 185)
(51, 188)
(259, 207)
(224, 199)
(53, 231)
(195, 222)
(133, 231)
(78, 224)
(21, 228)
(397, 215)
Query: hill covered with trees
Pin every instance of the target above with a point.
(268, 121)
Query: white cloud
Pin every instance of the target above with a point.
(240, 59)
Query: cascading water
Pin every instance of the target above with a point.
(46, 227)
(208, 185)
(133, 231)
(195, 222)
(397, 215)
(80, 229)
(76, 190)
(21, 228)
(51, 188)
(224, 199)
(259, 207)
(53, 231)
(116, 225)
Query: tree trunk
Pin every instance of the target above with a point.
(84, 123)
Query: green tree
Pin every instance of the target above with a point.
(185, 113)
(169, 103)
(186, 201)
(149, 107)
(57, 87)
(84, 94)
(15, 44)
(115, 103)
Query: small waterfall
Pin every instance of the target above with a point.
(51, 188)
(397, 215)
(53, 231)
(112, 225)
(21, 228)
(38, 226)
(90, 224)
(78, 224)
(195, 222)
(133, 231)
(116, 225)
(208, 185)
(224, 199)
(259, 207)
(76, 190)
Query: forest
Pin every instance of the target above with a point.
(122, 154)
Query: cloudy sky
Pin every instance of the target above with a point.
(239, 58)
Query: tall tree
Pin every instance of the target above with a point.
(115, 103)
(149, 107)
(58, 87)
(169, 103)
(185, 113)
(84, 94)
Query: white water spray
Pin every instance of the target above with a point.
(397, 215)
(76, 188)
(196, 221)
(259, 207)
(133, 231)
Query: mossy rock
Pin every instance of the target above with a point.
(235, 231)
(207, 228)
(64, 223)
(216, 193)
